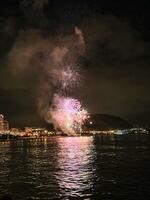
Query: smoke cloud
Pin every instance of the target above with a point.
(49, 64)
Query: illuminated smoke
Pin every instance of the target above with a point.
(66, 73)
(80, 34)
(51, 65)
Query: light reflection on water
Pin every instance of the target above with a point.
(75, 159)
(76, 168)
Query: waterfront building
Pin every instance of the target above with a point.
(4, 125)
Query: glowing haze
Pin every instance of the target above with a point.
(51, 64)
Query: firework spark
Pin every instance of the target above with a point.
(68, 114)
(66, 77)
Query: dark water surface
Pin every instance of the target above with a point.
(76, 168)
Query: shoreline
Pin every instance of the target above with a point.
(57, 136)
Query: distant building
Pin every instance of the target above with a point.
(4, 125)
(32, 131)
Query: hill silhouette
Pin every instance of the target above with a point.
(106, 122)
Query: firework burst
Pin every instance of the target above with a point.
(68, 114)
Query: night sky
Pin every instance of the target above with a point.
(116, 65)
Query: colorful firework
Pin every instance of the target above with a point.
(68, 115)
